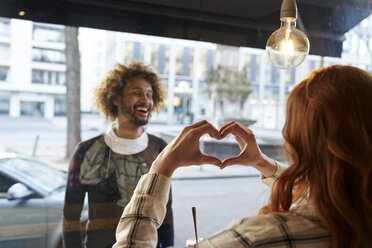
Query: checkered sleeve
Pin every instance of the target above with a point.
(144, 213)
(270, 180)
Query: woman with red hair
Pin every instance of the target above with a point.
(322, 199)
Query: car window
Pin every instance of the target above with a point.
(5, 185)
(41, 175)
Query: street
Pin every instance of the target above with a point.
(218, 201)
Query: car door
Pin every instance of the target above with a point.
(22, 221)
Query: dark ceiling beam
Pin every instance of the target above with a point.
(325, 26)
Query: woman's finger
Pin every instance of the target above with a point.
(206, 128)
(226, 125)
(232, 161)
(205, 159)
(234, 129)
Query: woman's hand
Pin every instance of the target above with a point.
(184, 150)
(250, 152)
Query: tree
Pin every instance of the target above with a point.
(72, 89)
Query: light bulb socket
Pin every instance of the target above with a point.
(288, 11)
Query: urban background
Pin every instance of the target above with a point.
(33, 103)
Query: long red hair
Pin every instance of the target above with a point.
(328, 140)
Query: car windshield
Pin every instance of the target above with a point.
(42, 175)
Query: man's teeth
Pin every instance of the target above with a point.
(142, 109)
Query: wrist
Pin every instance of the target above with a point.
(160, 168)
(266, 166)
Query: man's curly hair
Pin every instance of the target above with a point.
(112, 85)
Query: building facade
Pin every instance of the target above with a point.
(32, 69)
(33, 82)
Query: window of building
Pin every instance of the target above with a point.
(272, 84)
(4, 72)
(138, 51)
(133, 51)
(4, 106)
(48, 55)
(4, 26)
(48, 77)
(290, 80)
(32, 108)
(128, 52)
(179, 61)
(251, 64)
(163, 59)
(4, 51)
(48, 33)
(188, 61)
(202, 68)
(155, 57)
(60, 105)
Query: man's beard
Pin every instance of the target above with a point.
(127, 112)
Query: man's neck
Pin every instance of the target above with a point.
(128, 130)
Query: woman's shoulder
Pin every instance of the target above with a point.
(281, 229)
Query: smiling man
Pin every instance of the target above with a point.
(108, 167)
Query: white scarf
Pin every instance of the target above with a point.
(125, 146)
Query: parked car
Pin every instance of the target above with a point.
(31, 203)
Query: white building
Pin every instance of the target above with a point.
(32, 71)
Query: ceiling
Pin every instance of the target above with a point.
(231, 22)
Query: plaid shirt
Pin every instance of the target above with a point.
(146, 210)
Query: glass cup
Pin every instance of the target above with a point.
(192, 241)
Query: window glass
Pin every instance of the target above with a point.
(4, 106)
(4, 72)
(4, 26)
(31, 108)
(48, 77)
(39, 174)
(48, 33)
(202, 68)
(155, 57)
(4, 51)
(272, 86)
(128, 52)
(179, 62)
(290, 80)
(60, 105)
(5, 183)
(163, 60)
(48, 55)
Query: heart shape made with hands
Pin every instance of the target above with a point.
(228, 153)
(222, 149)
(185, 149)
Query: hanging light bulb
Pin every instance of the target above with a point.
(288, 46)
